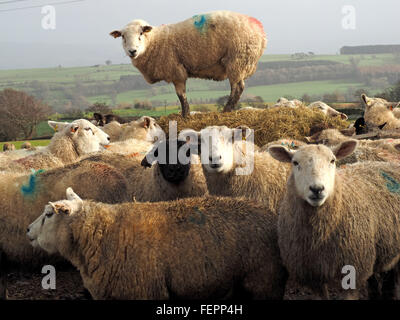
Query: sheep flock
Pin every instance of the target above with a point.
(147, 212)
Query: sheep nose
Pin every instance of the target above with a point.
(132, 52)
(27, 230)
(108, 138)
(317, 190)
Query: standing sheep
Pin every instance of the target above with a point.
(218, 45)
(329, 219)
(71, 141)
(196, 248)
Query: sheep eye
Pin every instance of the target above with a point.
(49, 214)
(332, 161)
(295, 163)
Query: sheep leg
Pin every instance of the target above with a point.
(180, 89)
(236, 92)
(3, 276)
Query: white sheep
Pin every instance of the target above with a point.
(218, 45)
(196, 248)
(332, 219)
(71, 141)
(283, 102)
(232, 168)
(378, 112)
(145, 128)
(328, 110)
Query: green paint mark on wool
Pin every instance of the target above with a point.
(200, 219)
(200, 23)
(392, 184)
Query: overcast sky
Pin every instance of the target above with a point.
(82, 28)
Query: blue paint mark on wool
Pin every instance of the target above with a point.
(392, 184)
(200, 22)
(30, 189)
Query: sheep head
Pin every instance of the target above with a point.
(85, 136)
(46, 231)
(313, 168)
(135, 37)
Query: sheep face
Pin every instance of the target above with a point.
(153, 130)
(217, 154)
(134, 38)
(173, 160)
(85, 135)
(329, 111)
(45, 232)
(314, 169)
(370, 103)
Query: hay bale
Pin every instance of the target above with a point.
(269, 125)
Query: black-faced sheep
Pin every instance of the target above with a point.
(331, 218)
(218, 45)
(150, 179)
(196, 248)
(71, 141)
(102, 120)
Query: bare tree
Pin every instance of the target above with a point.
(20, 113)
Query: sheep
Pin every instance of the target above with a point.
(290, 143)
(228, 45)
(153, 177)
(329, 111)
(130, 146)
(8, 147)
(232, 168)
(368, 150)
(378, 112)
(22, 196)
(283, 102)
(146, 128)
(196, 248)
(27, 145)
(328, 218)
(68, 144)
(102, 120)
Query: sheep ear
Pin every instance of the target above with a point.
(365, 99)
(58, 126)
(397, 147)
(191, 137)
(246, 131)
(146, 29)
(145, 122)
(116, 34)
(345, 149)
(61, 208)
(343, 116)
(71, 195)
(382, 126)
(281, 153)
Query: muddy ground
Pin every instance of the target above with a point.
(27, 286)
